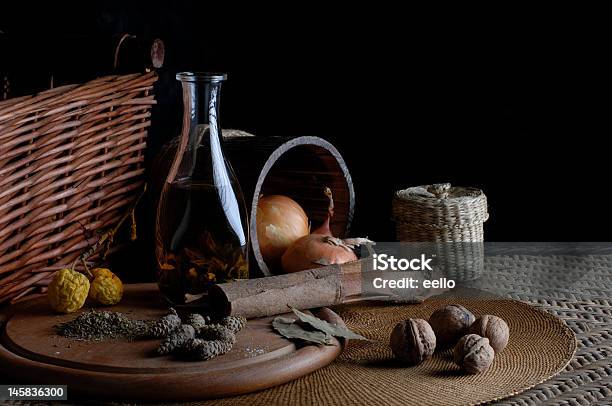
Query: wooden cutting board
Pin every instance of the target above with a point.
(31, 352)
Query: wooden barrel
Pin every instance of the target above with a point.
(299, 168)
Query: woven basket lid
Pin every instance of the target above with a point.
(440, 205)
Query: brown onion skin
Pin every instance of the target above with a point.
(280, 222)
(310, 249)
(325, 227)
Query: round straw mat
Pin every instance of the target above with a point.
(540, 346)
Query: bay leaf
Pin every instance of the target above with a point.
(328, 328)
(294, 330)
(285, 320)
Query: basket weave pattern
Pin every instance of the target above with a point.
(71, 161)
(450, 217)
(440, 213)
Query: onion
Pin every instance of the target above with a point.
(320, 248)
(324, 228)
(280, 222)
(316, 250)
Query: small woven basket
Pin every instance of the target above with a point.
(450, 217)
(71, 164)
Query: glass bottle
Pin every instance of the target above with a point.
(201, 233)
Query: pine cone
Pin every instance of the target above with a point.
(197, 321)
(166, 325)
(199, 349)
(234, 323)
(176, 339)
(217, 332)
(191, 345)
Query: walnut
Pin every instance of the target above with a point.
(413, 341)
(473, 354)
(450, 323)
(494, 328)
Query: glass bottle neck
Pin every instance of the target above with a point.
(201, 103)
(201, 113)
(200, 137)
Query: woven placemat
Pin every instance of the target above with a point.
(366, 374)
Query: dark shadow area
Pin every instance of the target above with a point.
(513, 109)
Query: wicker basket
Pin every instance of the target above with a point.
(440, 213)
(450, 217)
(71, 164)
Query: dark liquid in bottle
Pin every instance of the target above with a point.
(201, 240)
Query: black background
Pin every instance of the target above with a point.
(515, 102)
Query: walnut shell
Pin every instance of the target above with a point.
(450, 323)
(413, 341)
(473, 354)
(494, 328)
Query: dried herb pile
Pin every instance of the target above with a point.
(94, 325)
(197, 339)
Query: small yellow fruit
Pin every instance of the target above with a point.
(106, 287)
(68, 291)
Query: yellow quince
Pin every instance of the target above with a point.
(106, 287)
(68, 291)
